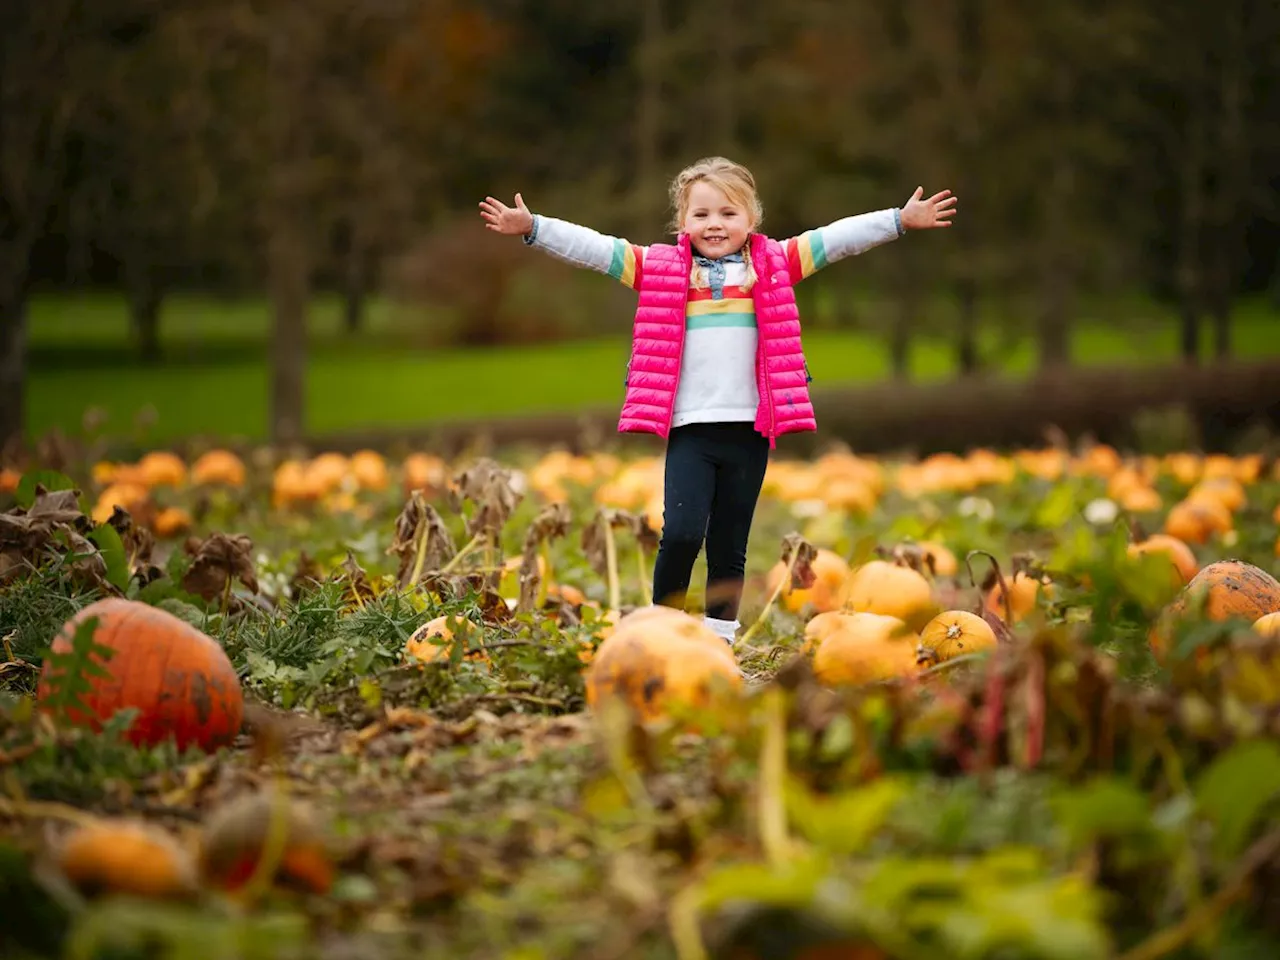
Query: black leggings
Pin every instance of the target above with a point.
(713, 476)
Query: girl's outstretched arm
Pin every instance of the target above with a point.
(570, 242)
(814, 249)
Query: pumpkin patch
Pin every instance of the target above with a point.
(898, 723)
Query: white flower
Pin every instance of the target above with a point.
(809, 508)
(979, 507)
(1101, 511)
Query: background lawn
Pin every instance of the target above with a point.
(213, 380)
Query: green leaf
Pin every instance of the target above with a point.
(68, 677)
(844, 822)
(789, 884)
(111, 549)
(51, 480)
(1236, 788)
(1057, 508)
(1102, 808)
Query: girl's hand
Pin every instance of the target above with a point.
(937, 211)
(503, 219)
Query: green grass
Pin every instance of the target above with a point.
(214, 380)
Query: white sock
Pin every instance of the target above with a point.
(725, 629)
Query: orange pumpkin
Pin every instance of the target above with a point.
(953, 634)
(858, 648)
(161, 468)
(218, 467)
(1183, 561)
(1024, 591)
(658, 658)
(1195, 521)
(1268, 625)
(830, 569)
(369, 470)
(893, 591)
(1231, 588)
(420, 645)
(126, 857)
(177, 678)
(236, 834)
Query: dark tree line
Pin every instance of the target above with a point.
(281, 145)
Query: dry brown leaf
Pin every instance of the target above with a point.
(220, 559)
(551, 522)
(802, 573)
(490, 488)
(420, 530)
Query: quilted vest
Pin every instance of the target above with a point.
(657, 343)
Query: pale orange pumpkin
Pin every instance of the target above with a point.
(1181, 559)
(218, 467)
(885, 588)
(830, 569)
(420, 647)
(126, 856)
(953, 634)
(177, 678)
(858, 648)
(1196, 521)
(1024, 593)
(659, 658)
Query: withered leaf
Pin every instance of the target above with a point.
(802, 573)
(420, 532)
(356, 581)
(219, 559)
(490, 488)
(307, 575)
(551, 522)
(138, 541)
(596, 535)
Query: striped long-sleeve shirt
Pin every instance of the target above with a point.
(717, 369)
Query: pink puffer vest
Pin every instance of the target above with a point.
(658, 343)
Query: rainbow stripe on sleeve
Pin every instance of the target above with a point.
(806, 254)
(627, 264)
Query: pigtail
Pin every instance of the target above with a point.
(750, 280)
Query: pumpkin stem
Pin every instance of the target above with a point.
(773, 774)
(768, 607)
(646, 590)
(611, 559)
(467, 548)
(273, 845)
(420, 543)
(1004, 587)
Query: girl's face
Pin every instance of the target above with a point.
(715, 224)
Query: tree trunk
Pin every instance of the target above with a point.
(969, 33)
(1231, 157)
(1056, 255)
(13, 366)
(353, 293)
(648, 118)
(908, 290)
(967, 327)
(145, 299)
(1189, 276)
(289, 285)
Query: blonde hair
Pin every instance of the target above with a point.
(733, 180)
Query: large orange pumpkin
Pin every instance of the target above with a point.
(858, 648)
(892, 591)
(1232, 589)
(177, 678)
(658, 658)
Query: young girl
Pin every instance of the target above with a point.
(716, 364)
